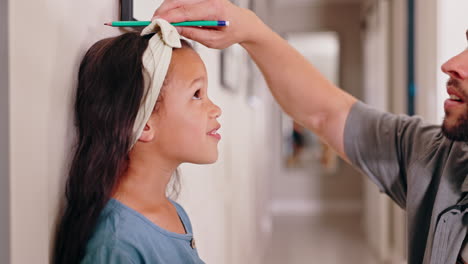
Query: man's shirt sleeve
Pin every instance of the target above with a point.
(384, 146)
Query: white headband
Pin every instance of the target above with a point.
(156, 61)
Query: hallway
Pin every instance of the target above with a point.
(330, 239)
(267, 199)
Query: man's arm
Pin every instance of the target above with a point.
(300, 89)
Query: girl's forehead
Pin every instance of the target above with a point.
(187, 64)
(186, 71)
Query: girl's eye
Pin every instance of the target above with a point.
(196, 96)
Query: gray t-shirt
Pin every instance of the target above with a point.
(421, 170)
(123, 235)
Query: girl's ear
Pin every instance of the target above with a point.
(148, 133)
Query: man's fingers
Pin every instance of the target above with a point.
(205, 10)
(194, 33)
(165, 6)
(208, 37)
(190, 10)
(171, 4)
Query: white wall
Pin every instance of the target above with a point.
(426, 68)
(47, 40)
(4, 138)
(47, 43)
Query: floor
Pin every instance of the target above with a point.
(333, 239)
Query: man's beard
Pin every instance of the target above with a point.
(459, 131)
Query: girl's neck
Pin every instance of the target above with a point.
(144, 184)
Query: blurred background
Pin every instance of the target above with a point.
(277, 194)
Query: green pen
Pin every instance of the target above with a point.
(204, 23)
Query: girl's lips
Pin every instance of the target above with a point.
(214, 133)
(217, 136)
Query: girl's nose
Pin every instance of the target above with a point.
(215, 111)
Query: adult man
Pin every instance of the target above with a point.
(421, 167)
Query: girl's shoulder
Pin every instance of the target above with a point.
(118, 221)
(110, 242)
(114, 225)
(124, 233)
(183, 216)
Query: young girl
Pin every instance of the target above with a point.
(141, 110)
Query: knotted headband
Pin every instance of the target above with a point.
(156, 61)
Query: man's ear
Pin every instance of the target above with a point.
(148, 133)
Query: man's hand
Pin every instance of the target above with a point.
(242, 28)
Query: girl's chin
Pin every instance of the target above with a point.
(206, 161)
(211, 161)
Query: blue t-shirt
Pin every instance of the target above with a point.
(122, 235)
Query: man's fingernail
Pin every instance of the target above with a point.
(155, 17)
(179, 30)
